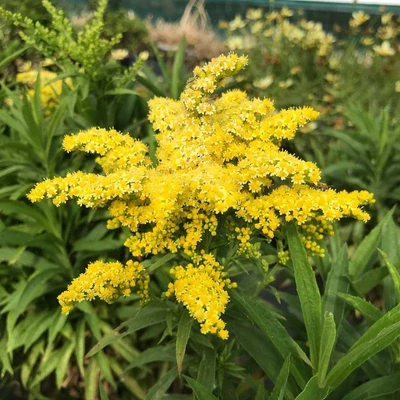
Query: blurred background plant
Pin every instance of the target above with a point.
(289, 54)
(297, 61)
(104, 86)
(202, 41)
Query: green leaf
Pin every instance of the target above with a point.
(393, 273)
(265, 320)
(154, 354)
(367, 309)
(11, 170)
(375, 388)
(389, 244)
(146, 316)
(312, 391)
(152, 265)
(156, 392)
(349, 335)
(48, 366)
(182, 337)
(390, 240)
(160, 62)
(57, 326)
(28, 366)
(121, 91)
(147, 83)
(130, 383)
(336, 282)
(206, 374)
(17, 126)
(278, 392)
(307, 290)
(362, 350)
(104, 366)
(199, 390)
(43, 322)
(36, 287)
(63, 363)
(328, 340)
(92, 319)
(261, 393)
(97, 245)
(360, 257)
(341, 168)
(29, 329)
(91, 380)
(5, 358)
(37, 103)
(56, 120)
(258, 346)
(103, 393)
(369, 280)
(12, 56)
(80, 344)
(388, 319)
(177, 68)
(18, 207)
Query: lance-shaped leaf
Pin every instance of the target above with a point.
(266, 321)
(312, 391)
(280, 387)
(157, 391)
(360, 257)
(394, 273)
(376, 388)
(207, 368)
(307, 290)
(328, 340)
(199, 390)
(337, 282)
(361, 352)
(182, 337)
(367, 309)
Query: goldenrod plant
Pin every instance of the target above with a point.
(51, 87)
(86, 50)
(82, 55)
(215, 158)
(234, 281)
(221, 211)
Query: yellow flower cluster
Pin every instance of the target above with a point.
(385, 36)
(49, 91)
(122, 158)
(226, 159)
(107, 281)
(219, 160)
(203, 291)
(358, 18)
